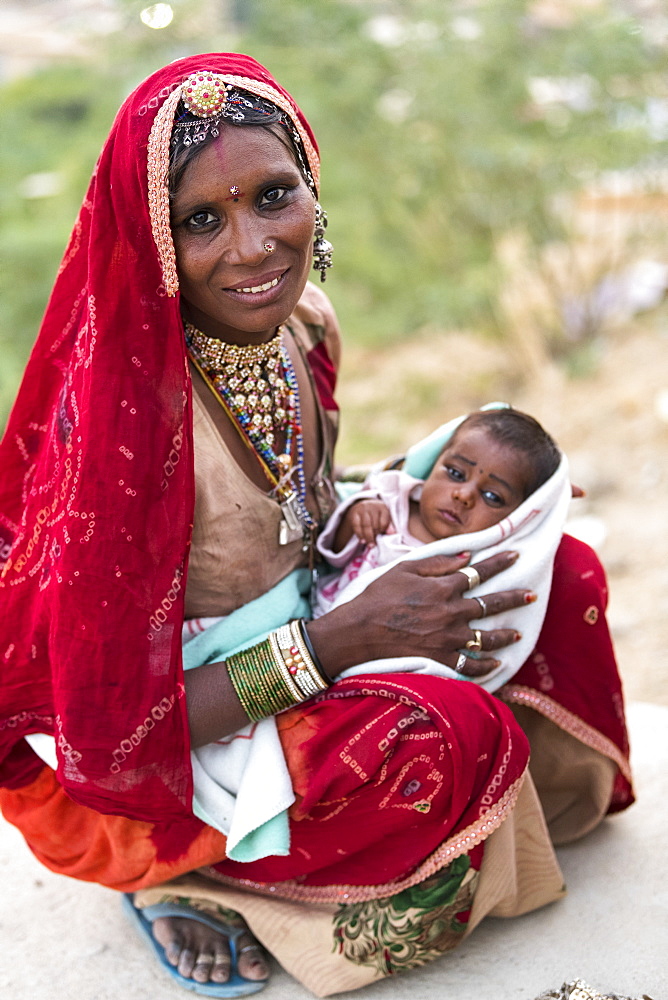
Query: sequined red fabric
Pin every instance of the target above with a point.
(572, 677)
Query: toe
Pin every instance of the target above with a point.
(166, 933)
(186, 963)
(202, 954)
(220, 972)
(202, 968)
(173, 952)
(251, 959)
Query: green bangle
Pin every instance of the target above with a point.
(259, 683)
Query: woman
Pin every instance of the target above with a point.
(145, 481)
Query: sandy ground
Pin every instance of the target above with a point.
(612, 422)
(67, 940)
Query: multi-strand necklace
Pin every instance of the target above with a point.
(257, 386)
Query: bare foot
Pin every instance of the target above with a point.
(201, 953)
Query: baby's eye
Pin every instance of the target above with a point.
(200, 219)
(454, 473)
(273, 195)
(493, 499)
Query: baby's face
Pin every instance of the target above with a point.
(475, 483)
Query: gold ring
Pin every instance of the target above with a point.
(472, 575)
(475, 644)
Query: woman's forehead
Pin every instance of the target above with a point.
(242, 156)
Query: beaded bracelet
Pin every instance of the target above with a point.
(297, 661)
(297, 629)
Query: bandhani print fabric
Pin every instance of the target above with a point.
(97, 490)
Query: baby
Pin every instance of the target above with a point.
(498, 482)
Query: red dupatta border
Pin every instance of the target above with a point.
(460, 843)
(517, 694)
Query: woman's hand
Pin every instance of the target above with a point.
(419, 608)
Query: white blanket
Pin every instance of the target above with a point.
(241, 783)
(533, 529)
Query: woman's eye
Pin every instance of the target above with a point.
(273, 195)
(200, 219)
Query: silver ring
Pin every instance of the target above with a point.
(483, 606)
(472, 575)
(459, 665)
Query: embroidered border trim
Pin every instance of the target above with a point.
(519, 694)
(264, 90)
(158, 167)
(158, 190)
(459, 844)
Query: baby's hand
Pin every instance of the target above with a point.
(369, 518)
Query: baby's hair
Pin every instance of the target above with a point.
(520, 431)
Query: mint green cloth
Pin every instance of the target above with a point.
(253, 622)
(242, 628)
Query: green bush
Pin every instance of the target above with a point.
(434, 117)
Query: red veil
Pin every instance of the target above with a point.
(97, 496)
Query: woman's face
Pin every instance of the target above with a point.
(244, 190)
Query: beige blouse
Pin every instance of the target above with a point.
(236, 555)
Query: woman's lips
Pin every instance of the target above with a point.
(257, 289)
(254, 289)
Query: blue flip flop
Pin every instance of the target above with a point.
(236, 985)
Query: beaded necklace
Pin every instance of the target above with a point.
(257, 386)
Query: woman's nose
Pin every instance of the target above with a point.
(247, 239)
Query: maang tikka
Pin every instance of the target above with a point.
(322, 248)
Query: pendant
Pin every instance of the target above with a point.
(293, 525)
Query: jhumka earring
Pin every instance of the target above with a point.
(322, 248)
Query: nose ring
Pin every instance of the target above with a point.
(268, 247)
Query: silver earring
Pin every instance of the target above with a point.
(322, 248)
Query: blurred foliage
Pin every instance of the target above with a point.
(444, 125)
